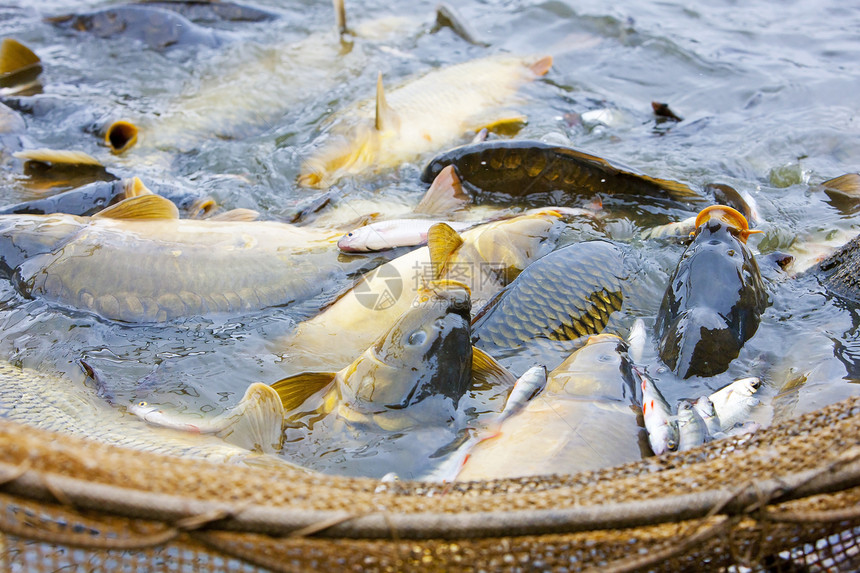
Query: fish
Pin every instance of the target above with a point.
(200, 11)
(51, 169)
(839, 274)
(843, 192)
(84, 201)
(683, 229)
(527, 386)
(157, 28)
(585, 418)
(496, 171)
(715, 297)
(708, 413)
(561, 297)
(660, 422)
(692, 431)
(393, 233)
(412, 376)
(486, 258)
(19, 69)
(254, 423)
(419, 117)
(66, 405)
(734, 402)
(136, 261)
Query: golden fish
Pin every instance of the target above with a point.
(486, 258)
(422, 116)
(137, 261)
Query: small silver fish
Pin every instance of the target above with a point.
(526, 387)
(691, 427)
(391, 234)
(659, 421)
(705, 409)
(734, 402)
(636, 341)
(678, 229)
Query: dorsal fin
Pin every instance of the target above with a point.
(57, 157)
(445, 194)
(134, 187)
(294, 390)
(15, 57)
(340, 16)
(443, 241)
(541, 66)
(141, 207)
(487, 373)
(848, 184)
(239, 214)
(386, 118)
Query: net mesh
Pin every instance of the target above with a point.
(786, 498)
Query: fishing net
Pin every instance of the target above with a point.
(786, 498)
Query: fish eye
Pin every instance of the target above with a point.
(142, 404)
(349, 234)
(672, 445)
(417, 337)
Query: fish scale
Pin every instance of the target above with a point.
(567, 294)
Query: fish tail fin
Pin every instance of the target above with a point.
(849, 184)
(134, 187)
(239, 214)
(294, 390)
(19, 65)
(256, 422)
(445, 194)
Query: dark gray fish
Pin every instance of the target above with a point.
(207, 11)
(156, 27)
(568, 294)
(840, 272)
(522, 168)
(86, 200)
(714, 300)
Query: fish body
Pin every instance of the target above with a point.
(840, 272)
(394, 233)
(153, 270)
(681, 229)
(421, 116)
(521, 167)
(490, 256)
(156, 27)
(563, 296)
(67, 406)
(734, 402)
(582, 420)
(692, 431)
(713, 303)
(86, 200)
(708, 413)
(660, 422)
(531, 383)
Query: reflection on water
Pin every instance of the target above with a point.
(768, 98)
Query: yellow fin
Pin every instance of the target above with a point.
(120, 136)
(445, 194)
(443, 241)
(256, 422)
(502, 122)
(848, 184)
(487, 373)
(386, 118)
(56, 157)
(16, 57)
(541, 66)
(294, 390)
(141, 207)
(340, 16)
(244, 215)
(134, 187)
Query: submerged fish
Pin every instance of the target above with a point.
(137, 262)
(584, 419)
(256, 422)
(715, 298)
(86, 200)
(156, 27)
(840, 272)
(62, 405)
(421, 116)
(19, 69)
(486, 258)
(843, 191)
(521, 167)
(563, 296)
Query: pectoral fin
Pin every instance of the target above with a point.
(487, 373)
(134, 187)
(445, 194)
(294, 390)
(504, 122)
(256, 422)
(443, 242)
(141, 207)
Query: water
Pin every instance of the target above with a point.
(767, 93)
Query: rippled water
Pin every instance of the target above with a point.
(767, 92)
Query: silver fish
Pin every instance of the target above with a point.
(659, 420)
(691, 427)
(734, 402)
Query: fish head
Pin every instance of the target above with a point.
(427, 352)
(358, 240)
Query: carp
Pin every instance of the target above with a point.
(419, 117)
(715, 297)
